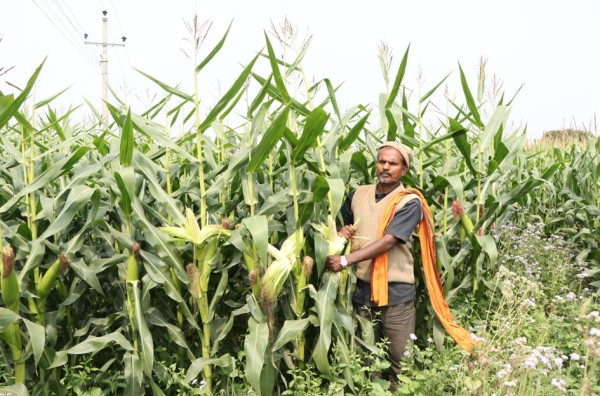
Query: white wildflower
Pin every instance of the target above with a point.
(574, 356)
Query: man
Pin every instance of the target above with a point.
(365, 207)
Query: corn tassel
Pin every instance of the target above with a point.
(10, 295)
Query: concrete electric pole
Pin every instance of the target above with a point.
(104, 61)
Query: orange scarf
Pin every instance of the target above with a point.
(379, 283)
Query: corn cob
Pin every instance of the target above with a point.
(10, 295)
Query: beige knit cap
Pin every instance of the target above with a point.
(404, 150)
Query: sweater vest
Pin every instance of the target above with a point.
(367, 217)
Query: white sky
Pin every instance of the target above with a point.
(552, 47)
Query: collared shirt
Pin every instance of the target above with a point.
(401, 227)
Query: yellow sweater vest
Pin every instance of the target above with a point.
(367, 214)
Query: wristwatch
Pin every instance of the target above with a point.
(343, 262)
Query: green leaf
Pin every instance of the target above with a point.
(198, 364)
(155, 318)
(125, 201)
(392, 126)
(14, 390)
(320, 188)
(167, 88)
(159, 273)
(432, 90)
(43, 180)
(346, 141)
(255, 346)
(337, 189)
(159, 242)
(289, 331)
(78, 197)
(259, 229)
(214, 51)
(459, 134)
(313, 129)
(276, 203)
(94, 344)
(127, 142)
(270, 138)
(7, 317)
(146, 344)
(324, 304)
(144, 166)
(11, 109)
(238, 84)
(332, 98)
(469, 98)
(88, 274)
(398, 80)
(37, 338)
(276, 73)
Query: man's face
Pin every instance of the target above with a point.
(390, 166)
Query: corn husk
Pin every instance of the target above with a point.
(279, 270)
(336, 242)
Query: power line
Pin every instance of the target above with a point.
(132, 79)
(62, 32)
(70, 17)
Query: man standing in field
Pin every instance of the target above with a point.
(381, 250)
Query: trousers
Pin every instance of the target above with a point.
(396, 323)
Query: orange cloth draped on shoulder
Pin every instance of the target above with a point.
(379, 283)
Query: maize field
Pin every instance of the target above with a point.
(178, 250)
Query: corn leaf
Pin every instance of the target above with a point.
(324, 304)
(167, 88)
(125, 200)
(469, 98)
(159, 273)
(313, 129)
(270, 138)
(198, 364)
(94, 344)
(127, 142)
(346, 141)
(133, 374)
(398, 80)
(459, 134)
(255, 346)
(14, 390)
(276, 73)
(11, 107)
(289, 331)
(214, 51)
(79, 196)
(337, 189)
(230, 94)
(259, 229)
(146, 343)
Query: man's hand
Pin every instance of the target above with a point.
(334, 263)
(347, 231)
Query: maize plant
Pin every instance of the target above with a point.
(196, 241)
(206, 243)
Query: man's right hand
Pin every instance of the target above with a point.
(347, 231)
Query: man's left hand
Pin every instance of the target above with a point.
(334, 263)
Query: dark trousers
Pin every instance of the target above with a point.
(396, 323)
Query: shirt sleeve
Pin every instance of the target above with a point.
(405, 220)
(346, 211)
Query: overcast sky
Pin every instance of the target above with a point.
(552, 47)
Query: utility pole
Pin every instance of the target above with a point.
(104, 61)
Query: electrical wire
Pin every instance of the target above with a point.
(79, 30)
(62, 32)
